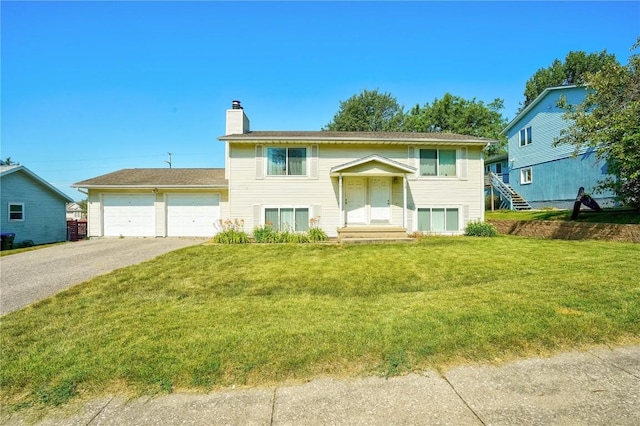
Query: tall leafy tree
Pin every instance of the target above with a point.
(609, 121)
(370, 111)
(573, 70)
(453, 114)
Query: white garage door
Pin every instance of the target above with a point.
(129, 215)
(192, 215)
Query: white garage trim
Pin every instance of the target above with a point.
(128, 215)
(192, 215)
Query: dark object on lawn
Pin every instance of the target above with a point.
(585, 199)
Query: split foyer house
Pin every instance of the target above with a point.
(426, 182)
(543, 174)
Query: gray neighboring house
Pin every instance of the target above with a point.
(171, 202)
(30, 207)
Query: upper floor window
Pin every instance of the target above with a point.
(525, 136)
(16, 212)
(286, 161)
(437, 162)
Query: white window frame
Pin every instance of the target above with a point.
(21, 212)
(438, 175)
(263, 219)
(287, 175)
(459, 226)
(525, 136)
(526, 176)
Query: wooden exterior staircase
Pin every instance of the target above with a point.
(373, 234)
(509, 198)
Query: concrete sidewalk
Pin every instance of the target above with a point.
(597, 387)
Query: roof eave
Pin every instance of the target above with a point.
(149, 186)
(536, 101)
(253, 139)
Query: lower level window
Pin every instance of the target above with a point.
(287, 218)
(438, 219)
(16, 212)
(525, 175)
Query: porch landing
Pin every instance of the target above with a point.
(373, 234)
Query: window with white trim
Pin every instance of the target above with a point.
(441, 219)
(286, 161)
(525, 136)
(16, 212)
(294, 219)
(526, 176)
(437, 162)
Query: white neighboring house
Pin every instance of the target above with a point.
(74, 211)
(339, 181)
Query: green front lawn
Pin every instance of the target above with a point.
(213, 316)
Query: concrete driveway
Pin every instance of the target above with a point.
(34, 275)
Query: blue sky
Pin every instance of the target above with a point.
(88, 88)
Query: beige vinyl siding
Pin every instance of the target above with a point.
(94, 214)
(249, 195)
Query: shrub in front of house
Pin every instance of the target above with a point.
(480, 229)
(231, 232)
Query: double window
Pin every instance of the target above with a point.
(525, 137)
(526, 176)
(437, 162)
(287, 218)
(440, 219)
(16, 212)
(287, 161)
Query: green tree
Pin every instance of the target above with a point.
(609, 121)
(572, 71)
(453, 114)
(370, 111)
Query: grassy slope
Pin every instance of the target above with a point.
(621, 216)
(206, 317)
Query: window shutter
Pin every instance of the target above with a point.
(465, 216)
(257, 210)
(316, 211)
(411, 156)
(462, 163)
(313, 162)
(259, 162)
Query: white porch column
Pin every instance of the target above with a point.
(341, 200)
(404, 201)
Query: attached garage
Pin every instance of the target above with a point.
(156, 202)
(129, 215)
(192, 215)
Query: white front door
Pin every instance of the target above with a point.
(355, 200)
(192, 215)
(380, 199)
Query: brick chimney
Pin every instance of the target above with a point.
(237, 121)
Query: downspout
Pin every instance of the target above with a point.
(341, 200)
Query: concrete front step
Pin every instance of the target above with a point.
(372, 233)
(377, 240)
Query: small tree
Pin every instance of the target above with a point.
(609, 121)
(370, 111)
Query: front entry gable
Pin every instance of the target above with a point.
(373, 165)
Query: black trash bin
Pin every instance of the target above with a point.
(6, 241)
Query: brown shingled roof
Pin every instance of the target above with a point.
(158, 177)
(355, 137)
